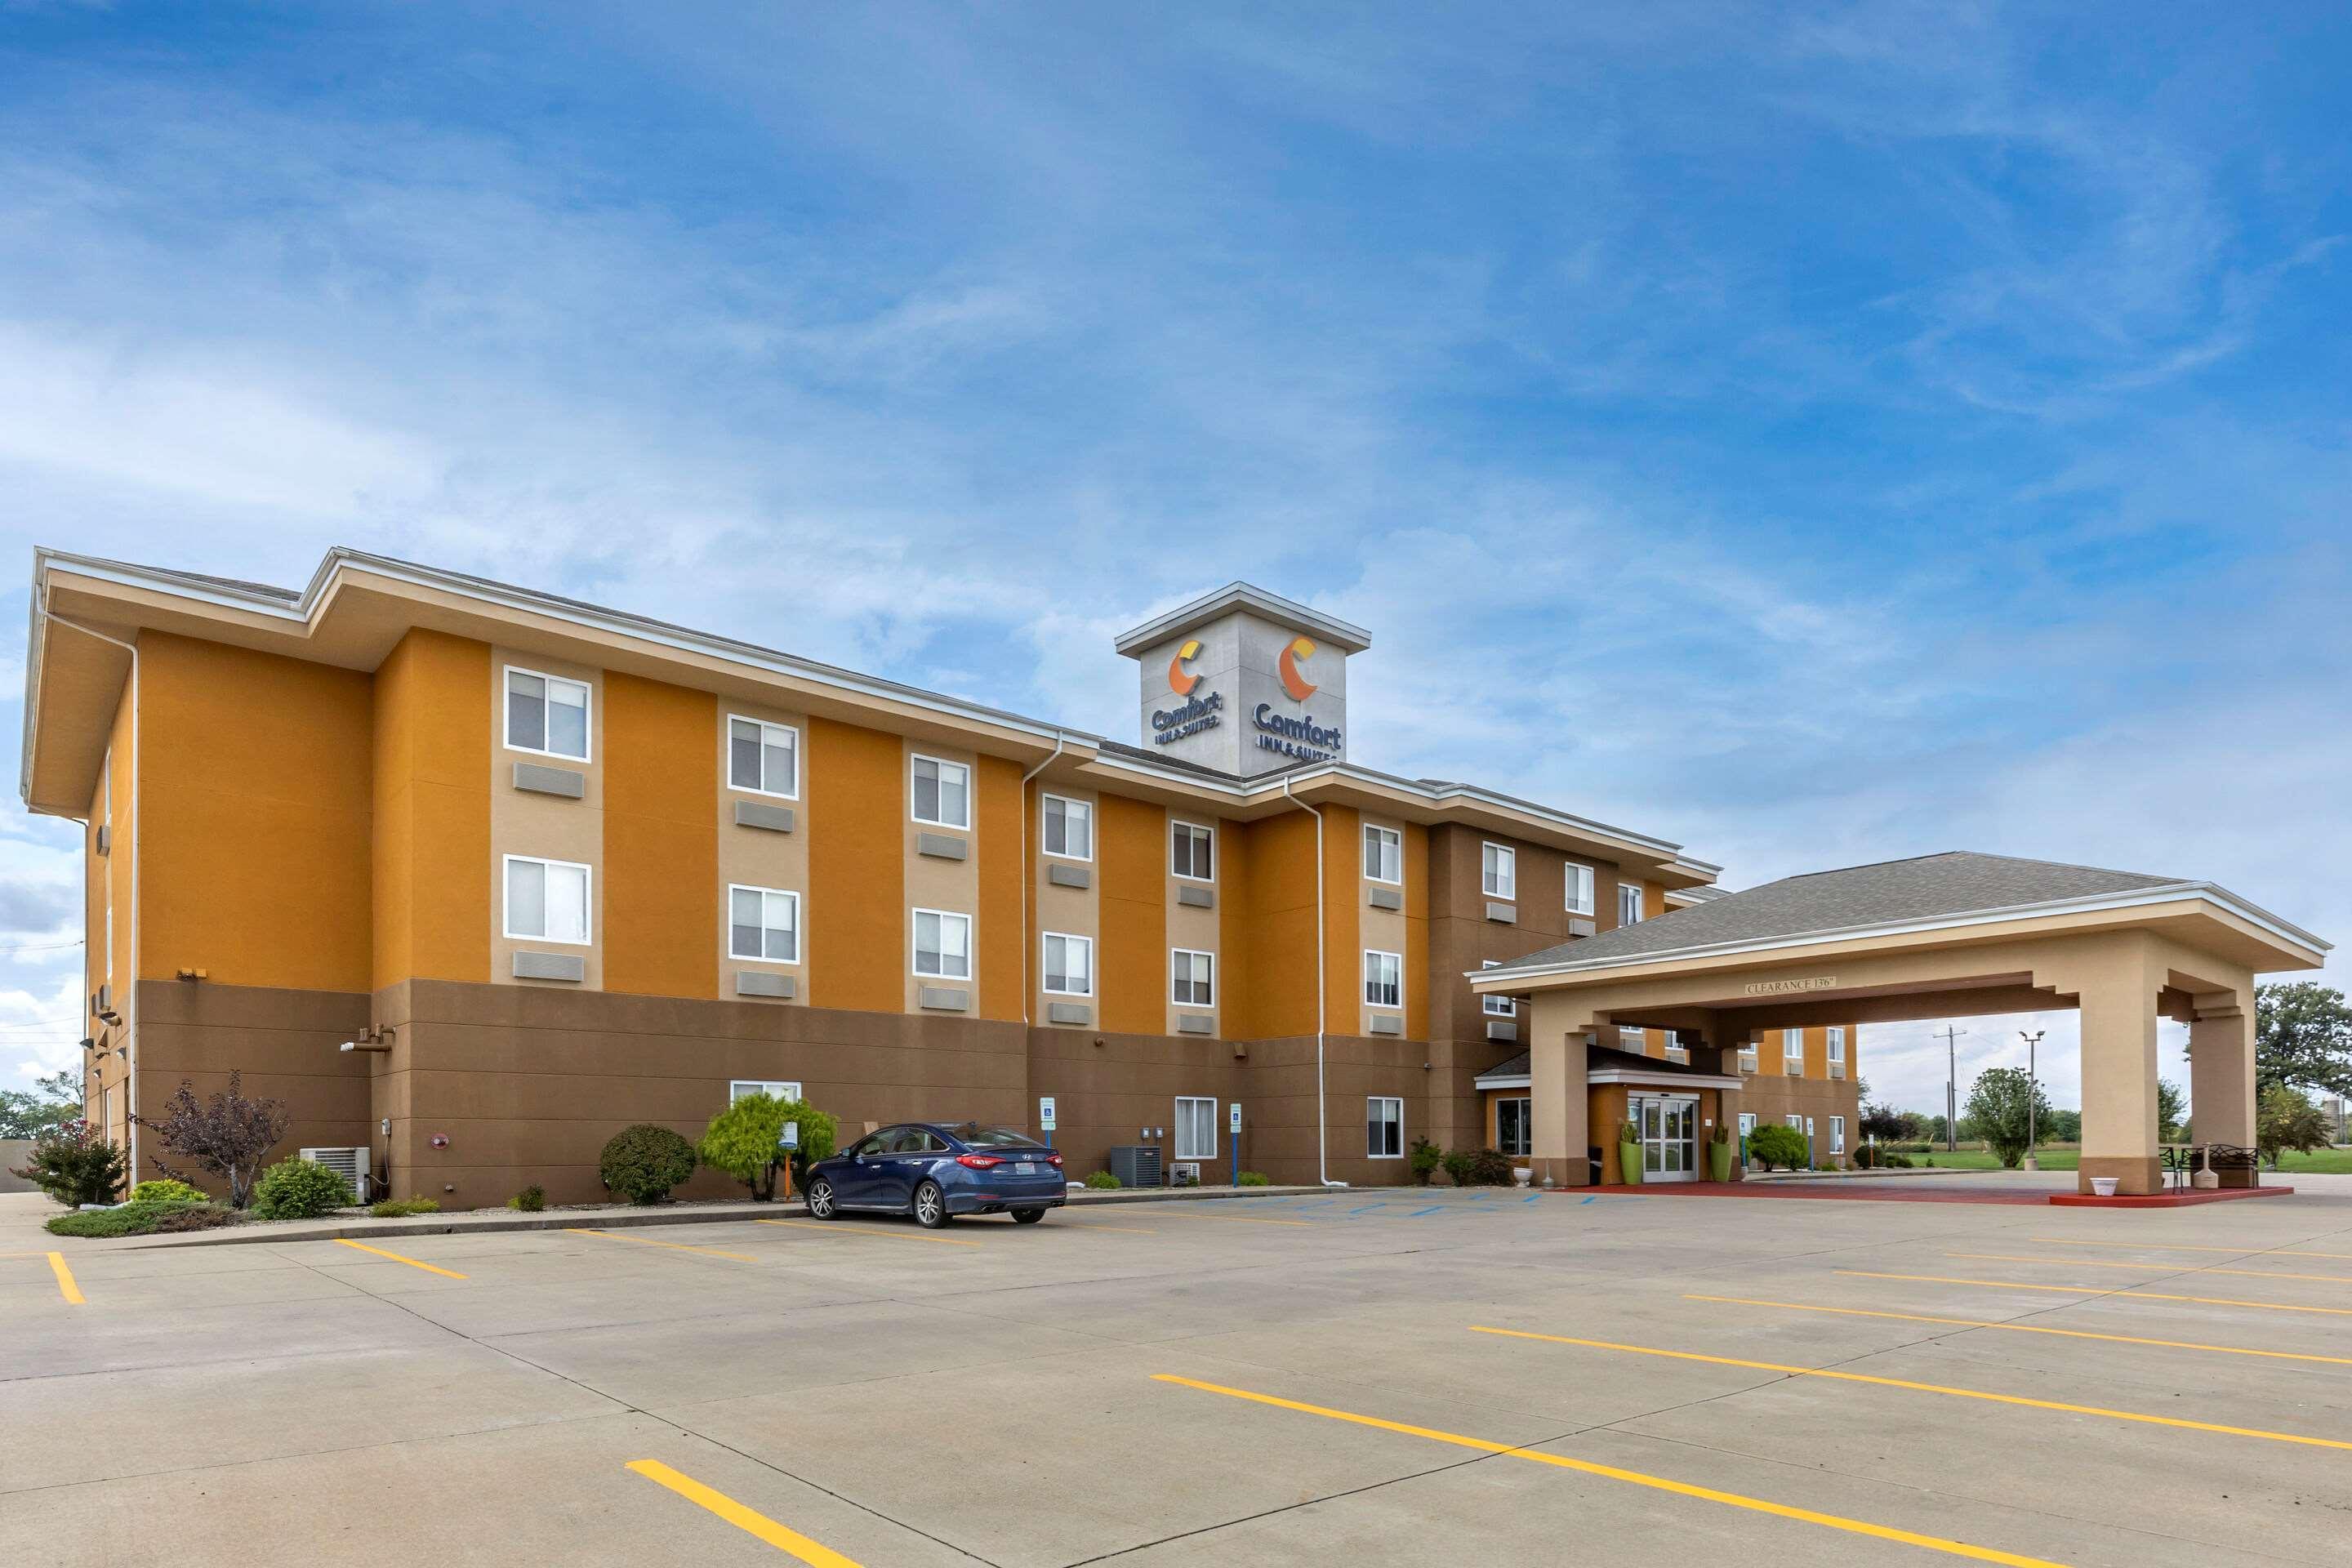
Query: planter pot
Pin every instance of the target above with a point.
(1521, 1176)
(1628, 1163)
(1718, 1161)
(2103, 1186)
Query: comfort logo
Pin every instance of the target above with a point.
(1182, 681)
(1286, 666)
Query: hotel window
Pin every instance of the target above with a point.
(942, 944)
(1192, 978)
(1498, 870)
(1498, 1006)
(1634, 1040)
(1191, 851)
(547, 901)
(1837, 1050)
(547, 714)
(1384, 1128)
(1746, 1123)
(745, 1087)
(763, 758)
(1676, 1050)
(942, 792)
(1384, 979)
(1792, 1051)
(763, 923)
(1069, 964)
(1069, 829)
(1196, 1128)
(1514, 1131)
(1837, 1134)
(1747, 1057)
(1579, 889)
(1628, 903)
(1796, 1121)
(1383, 854)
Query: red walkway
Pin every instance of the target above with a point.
(1941, 1193)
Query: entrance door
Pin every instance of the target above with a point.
(1669, 1126)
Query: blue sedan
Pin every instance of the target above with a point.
(937, 1169)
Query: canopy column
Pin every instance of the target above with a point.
(2117, 986)
(2221, 1071)
(1558, 1027)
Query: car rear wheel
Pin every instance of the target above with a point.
(1027, 1217)
(930, 1206)
(820, 1200)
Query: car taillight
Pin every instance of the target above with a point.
(978, 1161)
(1054, 1160)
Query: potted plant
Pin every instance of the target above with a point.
(1718, 1154)
(1522, 1170)
(1629, 1154)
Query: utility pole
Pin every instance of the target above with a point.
(2032, 1092)
(1952, 1087)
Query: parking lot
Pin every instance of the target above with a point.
(1375, 1377)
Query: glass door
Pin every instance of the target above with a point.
(1668, 1125)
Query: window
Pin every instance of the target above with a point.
(1196, 1128)
(1069, 829)
(1384, 1127)
(1628, 903)
(942, 792)
(1837, 1134)
(1498, 1006)
(1192, 978)
(1383, 854)
(763, 923)
(1837, 1050)
(1498, 870)
(547, 901)
(1069, 964)
(1191, 851)
(744, 1089)
(1796, 1121)
(1514, 1128)
(1634, 1040)
(547, 714)
(1384, 979)
(1746, 1123)
(1676, 1050)
(1579, 889)
(1747, 1057)
(942, 944)
(763, 758)
(1792, 1049)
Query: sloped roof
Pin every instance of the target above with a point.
(1598, 1059)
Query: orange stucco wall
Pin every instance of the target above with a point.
(661, 841)
(997, 823)
(1416, 932)
(1133, 847)
(857, 877)
(1277, 929)
(432, 816)
(1343, 898)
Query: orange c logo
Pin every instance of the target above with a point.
(1286, 666)
(1182, 681)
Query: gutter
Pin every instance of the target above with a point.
(1322, 988)
(1029, 871)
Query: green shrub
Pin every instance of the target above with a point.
(744, 1140)
(643, 1163)
(530, 1200)
(1895, 1161)
(1103, 1182)
(301, 1189)
(141, 1219)
(164, 1190)
(1252, 1178)
(401, 1208)
(1490, 1168)
(1457, 1163)
(1777, 1148)
(74, 1163)
(1425, 1158)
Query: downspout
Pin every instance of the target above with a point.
(1322, 984)
(138, 826)
(1029, 872)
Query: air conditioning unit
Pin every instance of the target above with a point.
(1184, 1173)
(1135, 1164)
(351, 1165)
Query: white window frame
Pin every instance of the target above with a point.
(1792, 1049)
(1503, 882)
(1748, 1057)
(1045, 966)
(1397, 1100)
(1640, 892)
(789, 896)
(745, 1087)
(1746, 1123)
(1526, 1124)
(1045, 814)
(914, 943)
(1198, 958)
(1391, 844)
(762, 788)
(1195, 1153)
(587, 714)
(1591, 879)
(1633, 1037)
(587, 900)
(1795, 1122)
(1836, 1036)
(1837, 1134)
(1398, 959)
(942, 763)
(1202, 827)
(1498, 1006)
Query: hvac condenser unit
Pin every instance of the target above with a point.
(351, 1165)
(1135, 1164)
(1184, 1173)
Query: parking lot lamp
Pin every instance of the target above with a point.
(2032, 1093)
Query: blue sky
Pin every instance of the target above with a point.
(1813, 434)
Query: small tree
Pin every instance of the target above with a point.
(1998, 1108)
(2171, 1110)
(1885, 1123)
(1778, 1147)
(1423, 1158)
(744, 1140)
(54, 1100)
(2286, 1118)
(75, 1163)
(645, 1162)
(2302, 1036)
(228, 1135)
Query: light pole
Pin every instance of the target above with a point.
(1952, 1087)
(2032, 1094)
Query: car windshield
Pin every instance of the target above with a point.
(973, 1135)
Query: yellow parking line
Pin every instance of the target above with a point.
(649, 1241)
(2102, 1293)
(396, 1257)
(749, 1521)
(66, 1286)
(2026, 1329)
(1122, 1229)
(834, 1228)
(2155, 1268)
(1927, 1388)
(2183, 1246)
(1636, 1477)
(1239, 1219)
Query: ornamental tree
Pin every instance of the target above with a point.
(745, 1140)
(75, 1163)
(1998, 1111)
(228, 1134)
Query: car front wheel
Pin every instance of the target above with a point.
(820, 1200)
(1027, 1217)
(930, 1206)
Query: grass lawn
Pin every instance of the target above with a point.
(2320, 1161)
